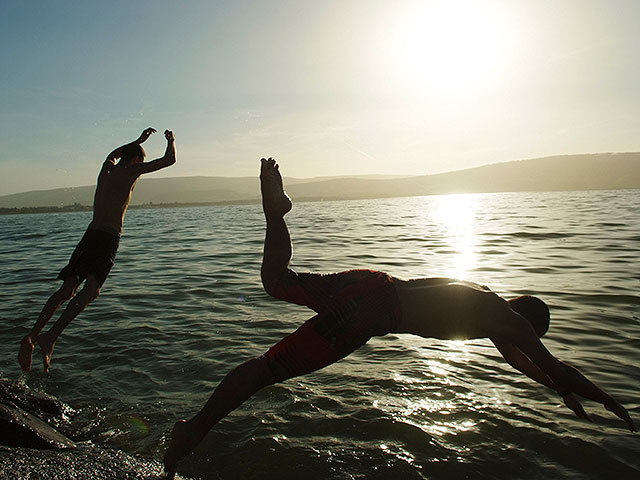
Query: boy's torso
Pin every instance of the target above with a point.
(449, 309)
(112, 196)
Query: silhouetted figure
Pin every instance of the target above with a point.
(94, 256)
(355, 305)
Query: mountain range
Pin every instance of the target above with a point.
(601, 171)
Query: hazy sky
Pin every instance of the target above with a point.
(327, 87)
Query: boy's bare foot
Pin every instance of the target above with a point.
(25, 353)
(46, 343)
(183, 441)
(275, 201)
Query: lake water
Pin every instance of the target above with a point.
(184, 304)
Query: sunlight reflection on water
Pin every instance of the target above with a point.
(456, 215)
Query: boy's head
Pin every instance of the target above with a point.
(133, 153)
(534, 310)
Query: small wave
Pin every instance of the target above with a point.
(609, 224)
(539, 269)
(492, 252)
(540, 236)
(609, 299)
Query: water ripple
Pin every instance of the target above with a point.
(184, 304)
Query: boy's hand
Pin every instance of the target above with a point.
(168, 134)
(145, 134)
(618, 410)
(574, 404)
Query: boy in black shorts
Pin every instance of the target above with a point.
(94, 256)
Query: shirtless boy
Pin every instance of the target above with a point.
(94, 256)
(355, 305)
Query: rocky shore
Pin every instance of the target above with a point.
(37, 442)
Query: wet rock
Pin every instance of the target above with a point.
(22, 429)
(32, 448)
(81, 463)
(25, 415)
(40, 404)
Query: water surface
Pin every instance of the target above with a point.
(184, 304)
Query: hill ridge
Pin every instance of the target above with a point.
(593, 171)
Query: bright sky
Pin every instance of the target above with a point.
(327, 87)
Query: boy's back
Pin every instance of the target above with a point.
(113, 194)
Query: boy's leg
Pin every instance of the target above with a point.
(312, 290)
(303, 351)
(321, 341)
(277, 243)
(47, 340)
(236, 387)
(64, 293)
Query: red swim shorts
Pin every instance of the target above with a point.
(352, 307)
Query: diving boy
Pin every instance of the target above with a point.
(94, 256)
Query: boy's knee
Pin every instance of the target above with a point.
(273, 284)
(268, 281)
(91, 289)
(260, 368)
(94, 293)
(275, 371)
(67, 291)
(270, 286)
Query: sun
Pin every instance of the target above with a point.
(451, 46)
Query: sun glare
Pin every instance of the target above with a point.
(452, 46)
(456, 214)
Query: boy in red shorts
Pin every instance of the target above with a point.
(355, 305)
(94, 256)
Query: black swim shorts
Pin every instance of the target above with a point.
(95, 255)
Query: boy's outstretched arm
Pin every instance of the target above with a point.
(117, 153)
(167, 160)
(581, 385)
(565, 379)
(518, 360)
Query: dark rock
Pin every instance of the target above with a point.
(81, 463)
(22, 429)
(40, 404)
(31, 448)
(26, 416)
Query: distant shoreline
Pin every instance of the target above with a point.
(88, 208)
(143, 206)
(76, 207)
